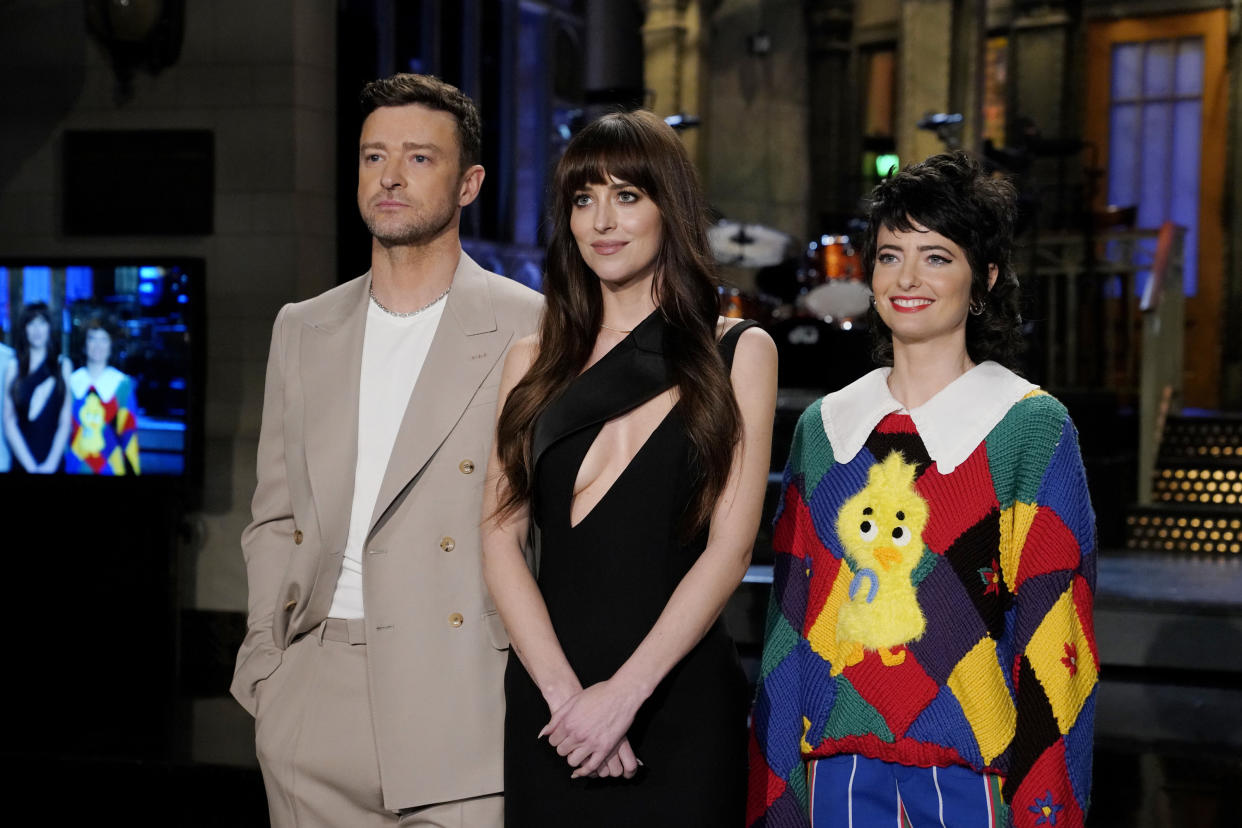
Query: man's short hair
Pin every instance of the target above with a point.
(404, 88)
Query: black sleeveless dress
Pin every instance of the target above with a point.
(40, 432)
(605, 582)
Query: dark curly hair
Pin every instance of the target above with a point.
(952, 195)
(98, 319)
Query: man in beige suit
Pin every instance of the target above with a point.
(374, 658)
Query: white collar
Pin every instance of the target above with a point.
(109, 381)
(951, 424)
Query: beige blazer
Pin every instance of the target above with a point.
(436, 649)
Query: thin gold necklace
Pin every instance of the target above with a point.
(617, 330)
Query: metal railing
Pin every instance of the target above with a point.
(1100, 333)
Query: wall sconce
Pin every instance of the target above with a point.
(137, 34)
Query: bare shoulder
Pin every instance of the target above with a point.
(756, 337)
(755, 351)
(754, 373)
(724, 324)
(754, 345)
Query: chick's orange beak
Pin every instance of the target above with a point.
(887, 556)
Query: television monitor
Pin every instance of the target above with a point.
(128, 398)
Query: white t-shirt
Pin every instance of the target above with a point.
(393, 351)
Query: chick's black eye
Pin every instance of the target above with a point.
(868, 530)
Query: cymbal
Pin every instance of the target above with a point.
(747, 245)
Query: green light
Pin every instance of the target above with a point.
(886, 164)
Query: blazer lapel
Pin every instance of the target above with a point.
(331, 365)
(466, 346)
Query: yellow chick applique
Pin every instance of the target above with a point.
(881, 530)
(89, 440)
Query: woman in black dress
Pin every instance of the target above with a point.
(36, 407)
(635, 432)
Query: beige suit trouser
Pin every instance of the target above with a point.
(316, 745)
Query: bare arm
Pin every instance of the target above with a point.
(12, 433)
(509, 580)
(64, 420)
(588, 727)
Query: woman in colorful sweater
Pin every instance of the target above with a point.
(929, 656)
(104, 435)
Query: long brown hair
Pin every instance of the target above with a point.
(640, 149)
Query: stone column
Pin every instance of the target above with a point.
(923, 74)
(673, 62)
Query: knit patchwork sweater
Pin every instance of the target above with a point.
(932, 595)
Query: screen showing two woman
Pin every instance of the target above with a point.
(95, 366)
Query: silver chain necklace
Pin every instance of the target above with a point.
(406, 314)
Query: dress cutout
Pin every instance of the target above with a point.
(605, 582)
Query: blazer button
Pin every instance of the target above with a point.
(297, 536)
(448, 544)
(455, 620)
(290, 605)
(466, 466)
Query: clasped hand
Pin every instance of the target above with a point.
(589, 731)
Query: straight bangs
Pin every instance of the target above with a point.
(613, 149)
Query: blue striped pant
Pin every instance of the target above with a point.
(852, 791)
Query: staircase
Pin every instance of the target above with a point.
(1196, 490)
(1168, 611)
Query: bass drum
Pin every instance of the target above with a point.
(819, 355)
(839, 302)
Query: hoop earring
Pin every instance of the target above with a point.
(976, 308)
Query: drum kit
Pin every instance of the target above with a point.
(814, 303)
(836, 292)
(825, 283)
